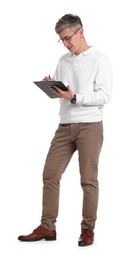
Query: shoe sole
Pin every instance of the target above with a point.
(82, 244)
(50, 238)
(46, 239)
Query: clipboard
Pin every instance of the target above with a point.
(46, 86)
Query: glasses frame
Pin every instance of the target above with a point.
(68, 38)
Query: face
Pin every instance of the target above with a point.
(72, 39)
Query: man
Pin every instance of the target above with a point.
(88, 75)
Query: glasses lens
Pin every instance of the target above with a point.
(67, 38)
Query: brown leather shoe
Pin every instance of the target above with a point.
(86, 237)
(38, 234)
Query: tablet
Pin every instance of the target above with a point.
(47, 86)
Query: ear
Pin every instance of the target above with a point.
(81, 31)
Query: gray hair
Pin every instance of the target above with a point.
(68, 21)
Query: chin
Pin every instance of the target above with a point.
(71, 49)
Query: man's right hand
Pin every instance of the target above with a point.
(48, 78)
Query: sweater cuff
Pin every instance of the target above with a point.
(79, 99)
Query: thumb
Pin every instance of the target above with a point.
(69, 89)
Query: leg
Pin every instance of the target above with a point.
(89, 145)
(59, 155)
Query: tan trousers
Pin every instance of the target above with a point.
(87, 139)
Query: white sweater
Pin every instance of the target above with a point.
(89, 74)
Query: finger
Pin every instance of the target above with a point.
(58, 89)
(56, 92)
(70, 90)
(48, 78)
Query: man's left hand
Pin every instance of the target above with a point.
(69, 94)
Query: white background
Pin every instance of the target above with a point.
(28, 118)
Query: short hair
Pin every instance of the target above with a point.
(68, 21)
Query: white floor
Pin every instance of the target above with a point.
(28, 118)
(108, 245)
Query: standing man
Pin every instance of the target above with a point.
(88, 75)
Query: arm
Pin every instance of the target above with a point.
(102, 89)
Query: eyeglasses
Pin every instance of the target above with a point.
(67, 38)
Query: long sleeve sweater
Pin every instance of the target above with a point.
(89, 74)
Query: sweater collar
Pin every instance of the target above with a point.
(89, 51)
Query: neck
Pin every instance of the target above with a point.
(83, 47)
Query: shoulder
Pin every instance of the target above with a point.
(65, 56)
(65, 59)
(101, 57)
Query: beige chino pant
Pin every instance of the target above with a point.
(87, 139)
